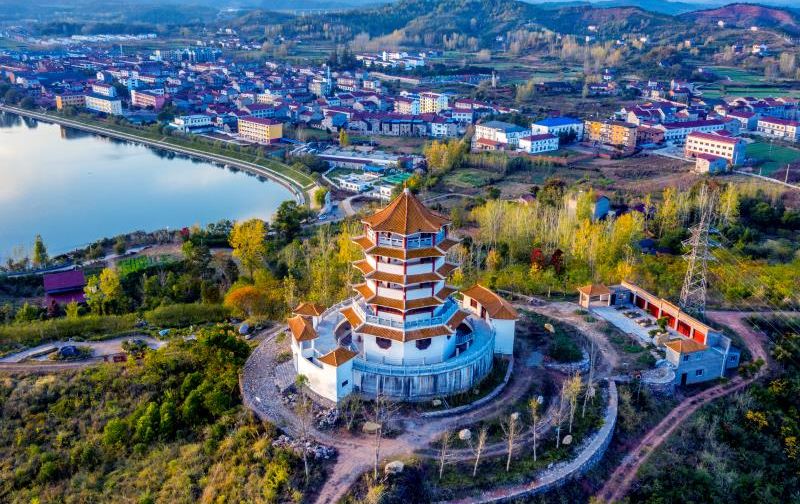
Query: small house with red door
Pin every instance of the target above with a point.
(696, 351)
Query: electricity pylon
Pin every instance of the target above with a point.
(693, 293)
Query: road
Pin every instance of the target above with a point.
(619, 483)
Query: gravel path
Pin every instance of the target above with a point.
(619, 483)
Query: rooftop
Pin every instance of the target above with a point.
(406, 215)
(497, 307)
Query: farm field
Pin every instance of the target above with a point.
(774, 158)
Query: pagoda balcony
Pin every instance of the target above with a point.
(440, 316)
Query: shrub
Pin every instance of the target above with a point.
(183, 315)
(563, 349)
(88, 327)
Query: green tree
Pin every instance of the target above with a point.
(39, 252)
(319, 196)
(288, 220)
(247, 239)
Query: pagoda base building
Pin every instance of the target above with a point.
(404, 334)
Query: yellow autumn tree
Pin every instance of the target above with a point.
(247, 239)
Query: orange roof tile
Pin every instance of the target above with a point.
(406, 215)
(394, 253)
(364, 266)
(423, 277)
(594, 290)
(446, 244)
(351, 316)
(309, 309)
(445, 291)
(683, 346)
(383, 276)
(457, 318)
(396, 335)
(497, 307)
(363, 241)
(337, 357)
(422, 303)
(364, 290)
(424, 252)
(446, 269)
(302, 329)
(397, 304)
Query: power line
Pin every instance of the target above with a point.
(695, 284)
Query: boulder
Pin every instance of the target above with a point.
(394, 467)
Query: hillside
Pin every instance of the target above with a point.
(608, 20)
(746, 15)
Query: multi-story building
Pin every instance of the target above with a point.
(403, 335)
(407, 105)
(676, 132)
(148, 99)
(104, 104)
(729, 148)
(616, 133)
(106, 90)
(503, 133)
(558, 126)
(260, 129)
(195, 123)
(779, 128)
(70, 100)
(536, 144)
(433, 103)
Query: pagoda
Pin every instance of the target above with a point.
(403, 334)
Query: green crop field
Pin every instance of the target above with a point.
(774, 158)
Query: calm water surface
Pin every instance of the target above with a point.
(74, 188)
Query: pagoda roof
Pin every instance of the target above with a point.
(497, 307)
(302, 328)
(337, 357)
(406, 215)
(309, 309)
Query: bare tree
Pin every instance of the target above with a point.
(593, 351)
(350, 408)
(574, 386)
(478, 450)
(534, 407)
(558, 415)
(510, 429)
(383, 409)
(447, 438)
(305, 416)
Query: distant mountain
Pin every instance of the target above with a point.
(607, 20)
(659, 6)
(746, 15)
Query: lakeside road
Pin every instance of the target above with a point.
(302, 193)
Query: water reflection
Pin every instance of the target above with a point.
(74, 192)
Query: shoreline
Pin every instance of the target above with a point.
(300, 193)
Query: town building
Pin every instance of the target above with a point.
(712, 165)
(558, 126)
(503, 133)
(615, 133)
(148, 99)
(194, 123)
(260, 129)
(729, 148)
(103, 104)
(784, 129)
(433, 103)
(676, 132)
(70, 100)
(539, 143)
(403, 335)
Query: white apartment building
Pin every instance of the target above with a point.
(779, 128)
(729, 148)
(104, 104)
(501, 132)
(536, 144)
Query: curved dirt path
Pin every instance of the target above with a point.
(619, 483)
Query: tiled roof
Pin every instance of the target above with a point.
(446, 269)
(337, 357)
(396, 335)
(301, 328)
(683, 346)
(594, 290)
(446, 244)
(352, 317)
(363, 242)
(497, 307)
(364, 266)
(406, 215)
(457, 318)
(65, 280)
(364, 290)
(309, 309)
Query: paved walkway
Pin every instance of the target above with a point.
(619, 483)
(100, 348)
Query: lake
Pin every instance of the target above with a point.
(74, 188)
